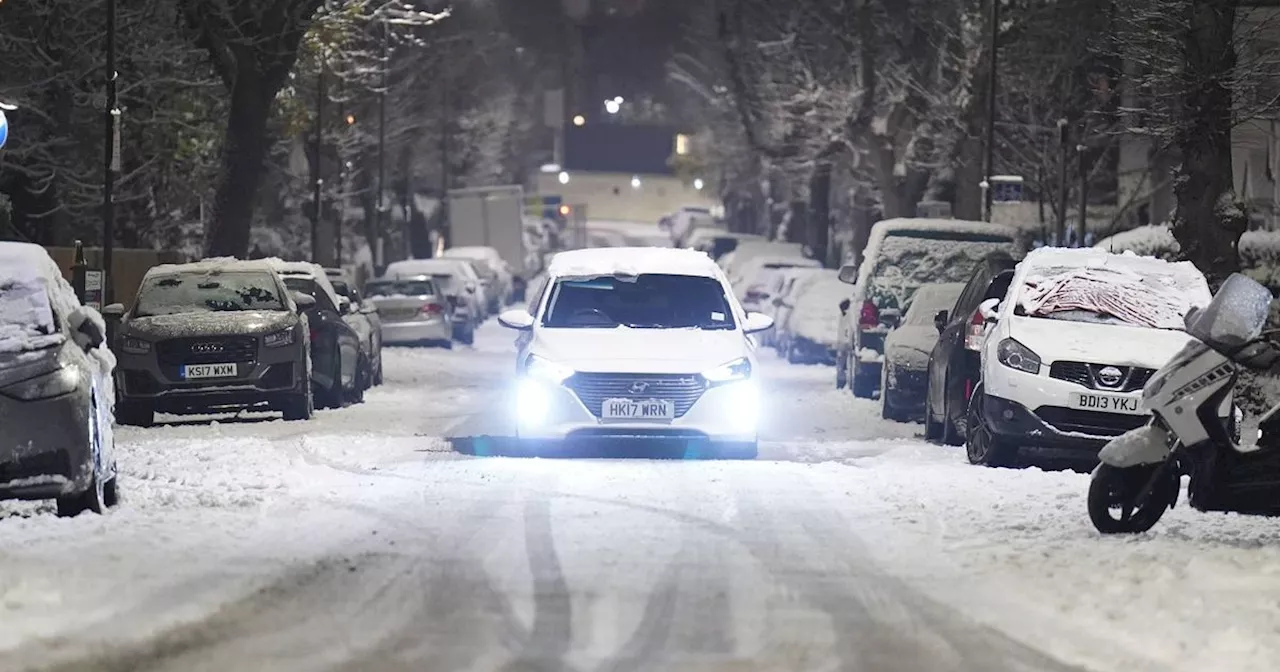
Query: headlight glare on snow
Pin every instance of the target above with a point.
(53, 384)
(278, 339)
(135, 346)
(738, 369)
(743, 405)
(541, 368)
(1017, 356)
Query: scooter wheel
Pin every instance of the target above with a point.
(1114, 492)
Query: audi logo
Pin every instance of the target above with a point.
(206, 348)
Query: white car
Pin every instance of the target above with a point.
(1070, 347)
(498, 288)
(461, 284)
(638, 343)
(756, 277)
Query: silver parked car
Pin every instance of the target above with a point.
(413, 310)
(55, 389)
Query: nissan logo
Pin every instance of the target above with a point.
(206, 348)
(1110, 376)
(639, 387)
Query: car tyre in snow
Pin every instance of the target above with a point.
(862, 383)
(92, 499)
(1130, 500)
(888, 409)
(299, 406)
(135, 414)
(362, 383)
(932, 428)
(467, 337)
(982, 446)
(377, 374)
(953, 432)
(842, 371)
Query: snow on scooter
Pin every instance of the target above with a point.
(1191, 430)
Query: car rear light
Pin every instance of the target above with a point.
(973, 337)
(869, 316)
(432, 309)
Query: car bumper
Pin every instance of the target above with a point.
(414, 332)
(142, 380)
(44, 448)
(728, 413)
(906, 388)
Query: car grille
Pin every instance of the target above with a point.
(210, 350)
(1095, 423)
(1131, 377)
(593, 388)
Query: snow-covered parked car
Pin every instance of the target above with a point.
(638, 343)
(905, 374)
(812, 327)
(757, 278)
(458, 280)
(901, 255)
(1070, 348)
(495, 273)
(56, 395)
(414, 311)
(362, 316)
(342, 356)
(218, 335)
(782, 288)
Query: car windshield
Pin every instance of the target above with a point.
(648, 301)
(1106, 295)
(386, 288)
(929, 300)
(26, 318)
(216, 291)
(910, 259)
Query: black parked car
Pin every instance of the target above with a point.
(363, 316)
(340, 369)
(954, 364)
(906, 353)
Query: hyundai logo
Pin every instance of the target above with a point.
(639, 387)
(206, 348)
(1110, 376)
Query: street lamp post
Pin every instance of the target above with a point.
(317, 179)
(989, 168)
(110, 121)
(382, 151)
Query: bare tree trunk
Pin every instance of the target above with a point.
(820, 210)
(244, 153)
(1208, 223)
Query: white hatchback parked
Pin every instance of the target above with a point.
(1070, 347)
(638, 343)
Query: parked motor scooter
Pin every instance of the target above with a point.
(1191, 429)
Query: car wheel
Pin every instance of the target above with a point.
(842, 372)
(362, 382)
(1116, 504)
(954, 429)
(92, 499)
(377, 374)
(467, 337)
(982, 446)
(300, 405)
(864, 387)
(932, 428)
(135, 413)
(111, 492)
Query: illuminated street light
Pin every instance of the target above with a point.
(698, 184)
(564, 177)
(612, 106)
(579, 120)
(619, 100)
(635, 182)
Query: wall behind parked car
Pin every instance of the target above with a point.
(128, 266)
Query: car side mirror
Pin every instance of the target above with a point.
(940, 320)
(519, 320)
(344, 305)
(849, 274)
(90, 330)
(114, 311)
(844, 306)
(987, 309)
(304, 301)
(756, 323)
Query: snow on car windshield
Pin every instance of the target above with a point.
(907, 260)
(215, 291)
(817, 312)
(650, 301)
(26, 318)
(1107, 295)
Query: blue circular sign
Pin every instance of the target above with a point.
(4, 128)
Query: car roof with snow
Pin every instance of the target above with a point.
(442, 265)
(597, 262)
(27, 262)
(308, 270)
(214, 265)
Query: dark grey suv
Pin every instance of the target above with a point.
(212, 336)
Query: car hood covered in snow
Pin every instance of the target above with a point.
(222, 323)
(1058, 340)
(626, 350)
(909, 345)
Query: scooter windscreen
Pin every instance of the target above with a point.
(1234, 317)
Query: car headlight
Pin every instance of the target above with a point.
(541, 368)
(738, 369)
(278, 339)
(135, 346)
(53, 384)
(1017, 356)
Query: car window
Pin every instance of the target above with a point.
(27, 320)
(202, 292)
(309, 286)
(649, 301)
(928, 301)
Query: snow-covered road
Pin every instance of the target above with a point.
(362, 541)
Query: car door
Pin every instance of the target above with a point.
(952, 335)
